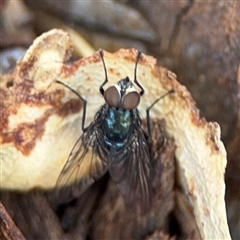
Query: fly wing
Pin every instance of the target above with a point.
(131, 170)
(83, 166)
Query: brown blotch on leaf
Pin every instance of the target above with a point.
(70, 107)
(26, 67)
(26, 135)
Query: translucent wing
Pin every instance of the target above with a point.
(83, 166)
(132, 171)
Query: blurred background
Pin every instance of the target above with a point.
(199, 41)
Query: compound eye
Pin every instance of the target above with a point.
(130, 100)
(112, 96)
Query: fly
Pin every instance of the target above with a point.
(114, 142)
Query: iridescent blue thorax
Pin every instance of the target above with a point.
(117, 126)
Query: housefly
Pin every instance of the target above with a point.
(114, 142)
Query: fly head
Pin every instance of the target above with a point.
(122, 95)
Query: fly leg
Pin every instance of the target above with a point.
(105, 71)
(151, 106)
(135, 74)
(84, 104)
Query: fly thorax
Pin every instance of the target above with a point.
(117, 127)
